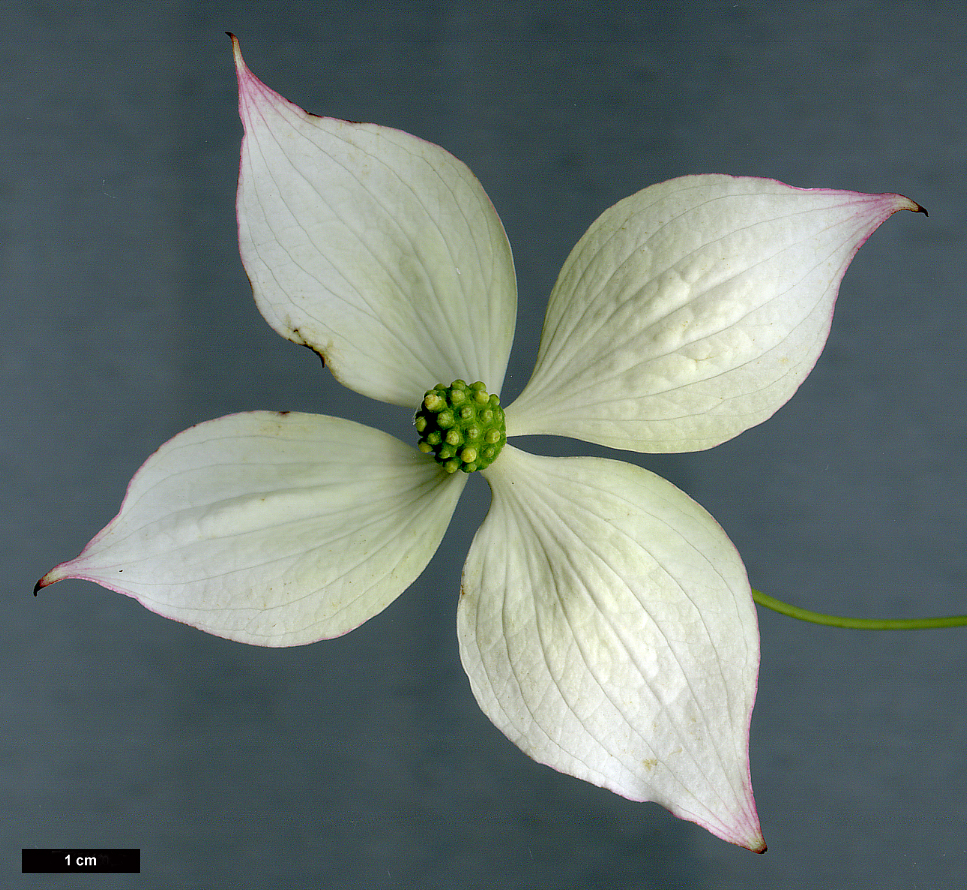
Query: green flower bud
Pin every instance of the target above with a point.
(461, 426)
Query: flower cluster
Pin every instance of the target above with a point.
(461, 426)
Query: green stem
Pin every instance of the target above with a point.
(770, 602)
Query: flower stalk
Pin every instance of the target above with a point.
(777, 605)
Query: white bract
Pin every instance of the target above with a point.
(605, 620)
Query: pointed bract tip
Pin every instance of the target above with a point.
(57, 573)
(247, 82)
(754, 842)
(745, 831)
(236, 51)
(906, 203)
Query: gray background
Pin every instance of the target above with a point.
(364, 761)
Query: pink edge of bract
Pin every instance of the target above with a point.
(745, 832)
(250, 88)
(902, 202)
(886, 205)
(752, 839)
(60, 572)
(896, 203)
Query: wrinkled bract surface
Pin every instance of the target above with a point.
(606, 622)
(607, 629)
(274, 529)
(379, 250)
(692, 311)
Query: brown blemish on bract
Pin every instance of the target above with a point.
(312, 349)
(296, 337)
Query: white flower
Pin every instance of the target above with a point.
(605, 620)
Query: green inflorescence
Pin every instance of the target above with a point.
(461, 426)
